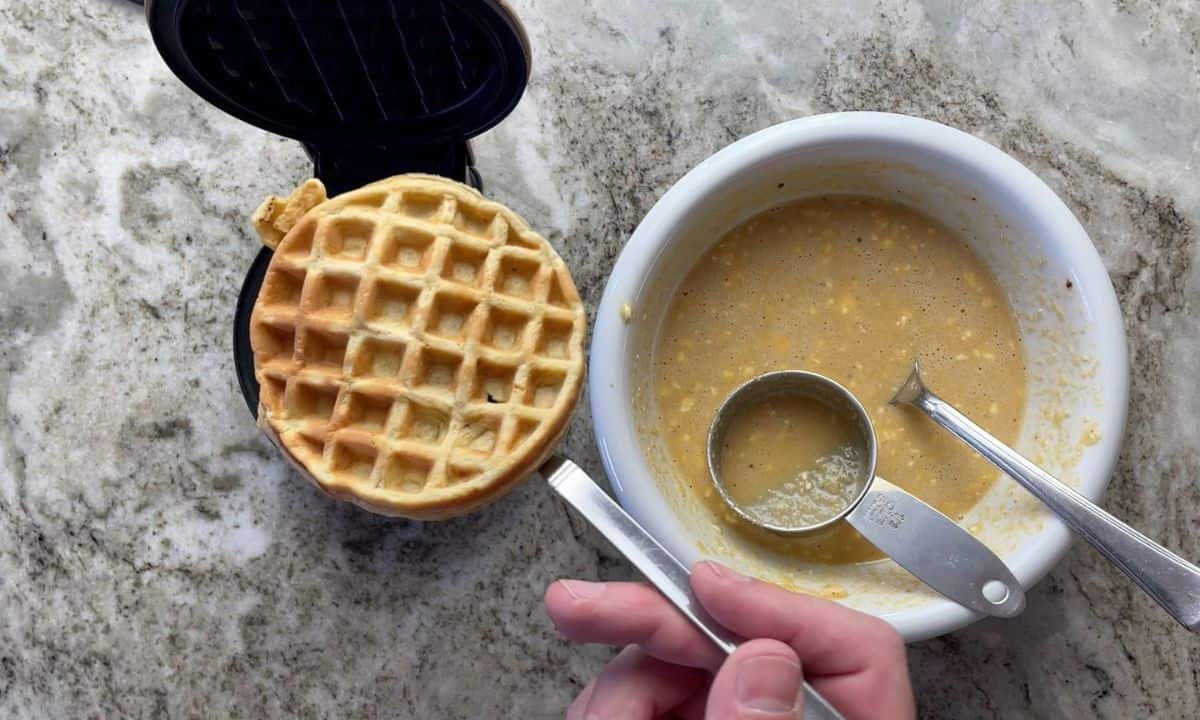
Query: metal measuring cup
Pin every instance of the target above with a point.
(917, 537)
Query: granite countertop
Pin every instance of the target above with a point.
(158, 558)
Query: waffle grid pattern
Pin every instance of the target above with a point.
(411, 344)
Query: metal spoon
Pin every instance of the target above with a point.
(920, 539)
(1173, 582)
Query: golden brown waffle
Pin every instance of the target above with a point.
(419, 349)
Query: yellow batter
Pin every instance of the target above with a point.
(791, 461)
(855, 289)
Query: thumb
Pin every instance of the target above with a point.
(761, 680)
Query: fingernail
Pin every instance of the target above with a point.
(581, 589)
(770, 683)
(725, 573)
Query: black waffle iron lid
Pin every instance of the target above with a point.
(371, 87)
(356, 81)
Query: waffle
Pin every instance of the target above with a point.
(418, 348)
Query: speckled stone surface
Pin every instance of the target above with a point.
(158, 559)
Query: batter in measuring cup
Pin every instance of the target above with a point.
(792, 461)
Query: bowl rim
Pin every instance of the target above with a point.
(609, 386)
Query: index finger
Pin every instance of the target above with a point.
(619, 613)
(830, 639)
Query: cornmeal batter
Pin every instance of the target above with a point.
(851, 288)
(791, 461)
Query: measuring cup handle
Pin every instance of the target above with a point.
(936, 550)
(1173, 582)
(654, 561)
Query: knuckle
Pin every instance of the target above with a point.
(889, 639)
(767, 646)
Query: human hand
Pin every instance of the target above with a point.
(668, 668)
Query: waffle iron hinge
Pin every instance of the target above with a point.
(346, 167)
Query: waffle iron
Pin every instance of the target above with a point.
(371, 88)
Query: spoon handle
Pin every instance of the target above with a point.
(652, 559)
(1173, 582)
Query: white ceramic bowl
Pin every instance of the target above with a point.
(1059, 289)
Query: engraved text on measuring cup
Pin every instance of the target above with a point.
(883, 512)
